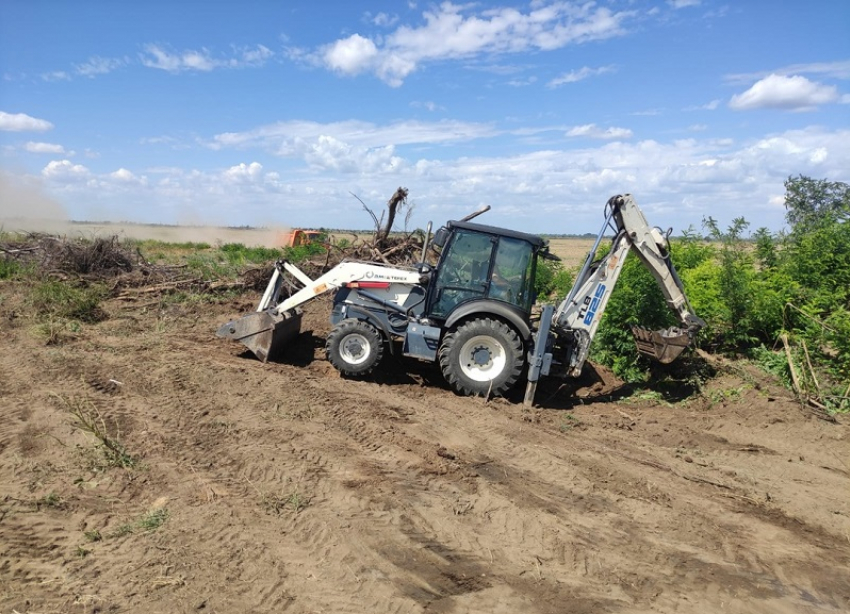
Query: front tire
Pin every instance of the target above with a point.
(354, 347)
(482, 357)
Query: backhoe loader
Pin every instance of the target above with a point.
(472, 311)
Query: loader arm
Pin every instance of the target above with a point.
(275, 322)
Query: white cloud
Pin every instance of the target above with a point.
(328, 153)
(49, 148)
(780, 92)
(99, 66)
(382, 19)
(578, 75)
(57, 75)
(291, 138)
(65, 170)
(680, 4)
(452, 32)
(523, 82)
(126, 177)
(21, 122)
(351, 55)
(676, 182)
(244, 172)
(709, 106)
(160, 57)
(595, 132)
(256, 56)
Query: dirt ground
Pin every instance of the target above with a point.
(237, 486)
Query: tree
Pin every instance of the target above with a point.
(811, 202)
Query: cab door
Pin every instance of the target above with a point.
(463, 271)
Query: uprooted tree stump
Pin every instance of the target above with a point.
(403, 248)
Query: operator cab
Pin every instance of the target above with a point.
(479, 262)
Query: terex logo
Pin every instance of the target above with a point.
(592, 304)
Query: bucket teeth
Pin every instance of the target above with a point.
(665, 345)
(265, 333)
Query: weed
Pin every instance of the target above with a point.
(209, 266)
(50, 501)
(93, 536)
(89, 420)
(568, 422)
(152, 520)
(728, 394)
(277, 504)
(647, 395)
(121, 531)
(54, 331)
(82, 552)
(149, 521)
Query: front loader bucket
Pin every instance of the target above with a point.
(662, 345)
(264, 333)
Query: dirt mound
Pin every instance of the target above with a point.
(148, 466)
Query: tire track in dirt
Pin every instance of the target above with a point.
(423, 487)
(410, 499)
(748, 581)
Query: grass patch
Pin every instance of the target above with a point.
(237, 253)
(293, 502)
(9, 269)
(64, 300)
(152, 520)
(147, 522)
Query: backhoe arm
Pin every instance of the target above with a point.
(653, 249)
(578, 316)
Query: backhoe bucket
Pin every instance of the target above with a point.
(662, 345)
(264, 333)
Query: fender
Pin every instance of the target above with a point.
(511, 314)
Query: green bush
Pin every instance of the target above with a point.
(303, 252)
(237, 253)
(750, 291)
(636, 300)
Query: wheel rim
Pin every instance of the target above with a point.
(482, 358)
(355, 349)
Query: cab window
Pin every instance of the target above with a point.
(463, 271)
(512, 273)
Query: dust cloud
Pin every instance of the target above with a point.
(24, 207)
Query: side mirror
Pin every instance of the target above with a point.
(440, 237)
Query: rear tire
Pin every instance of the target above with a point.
(482, 357)
(354, 347)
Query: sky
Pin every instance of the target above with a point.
(295, 113)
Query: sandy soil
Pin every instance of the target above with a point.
(283, 488)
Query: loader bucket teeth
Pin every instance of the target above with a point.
(662, 345)
(264, 333)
